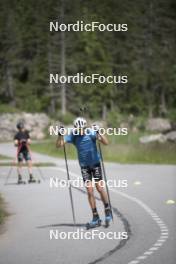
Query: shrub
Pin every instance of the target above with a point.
(7, 109)
(66, 119)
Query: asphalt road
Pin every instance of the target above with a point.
(140, 210)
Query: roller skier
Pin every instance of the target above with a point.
(22, 141)
(89, 160)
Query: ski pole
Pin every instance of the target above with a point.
(70, 190)
(10, 170)
(8, 175)
(105, 178)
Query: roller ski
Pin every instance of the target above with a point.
(96, 222)
(20, 181)
(108, 217)
(33, 180)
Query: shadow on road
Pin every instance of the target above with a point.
(62, 224)
(14, 183)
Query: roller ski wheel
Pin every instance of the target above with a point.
(21, 182)
(93, 224)
(108, 219)
(33, 181)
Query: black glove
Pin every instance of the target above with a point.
(61, 131)
(95, 128)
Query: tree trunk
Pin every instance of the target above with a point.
(52, 107)
(163, 108)
(148, 56)
(63, 72)
(10, 86)
(104, 112)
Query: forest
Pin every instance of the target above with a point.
(146, 53)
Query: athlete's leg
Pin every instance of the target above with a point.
(90, 192)
(19, 170)
(20, 165)
(29, 164)
(100, 188)
(92, 202)
(87, 178)
(104, 197)
(99, 183)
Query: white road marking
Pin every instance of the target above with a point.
(148, 253)
(154, 248)
(158, 244)
(134, 262)
(164, 234)
(170, 202)
(142, 257)
(137, 183)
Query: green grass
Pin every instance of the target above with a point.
(49, 148)
(122, 149)
(43, 164)
(6, 108)
(154, 153)
(2, 157)
(3, 212)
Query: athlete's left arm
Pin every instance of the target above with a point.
(103, 139)
(28, 141)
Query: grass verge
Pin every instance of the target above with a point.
(2, 157)
(43, 164)
(3, 212)
(122, 151)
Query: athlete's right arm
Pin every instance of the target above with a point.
(60, 141)
(16, 143)
(16, 140)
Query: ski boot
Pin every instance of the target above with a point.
(108, 217)
(32, 179)
(20, 181)
(96, 221)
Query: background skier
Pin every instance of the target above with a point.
(22, 141)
